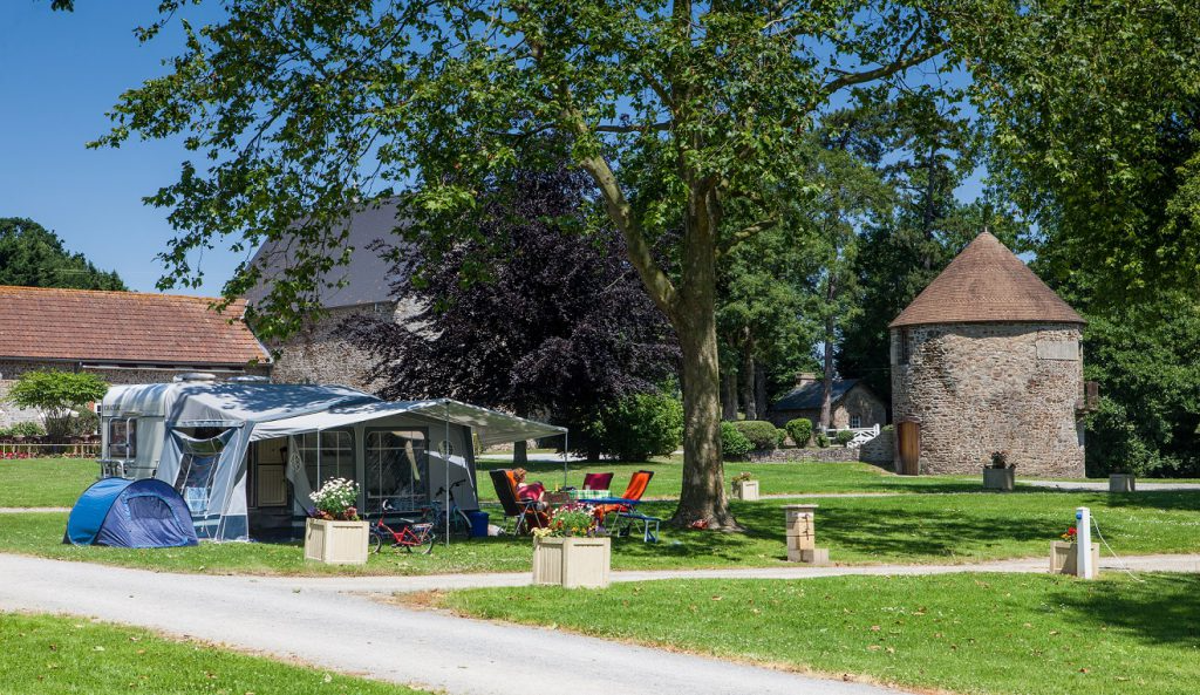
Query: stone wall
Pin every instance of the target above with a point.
(880, 450)
(834, 454)
(979, 388)
(321, 354)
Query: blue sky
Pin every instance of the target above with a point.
(59, 74)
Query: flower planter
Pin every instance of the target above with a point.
(1121, 482)
(336, 542)
(1064, 558)
(1001, 479)
(576, 562)
(745, 490)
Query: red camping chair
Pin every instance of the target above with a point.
(597, 481)
(638, 483)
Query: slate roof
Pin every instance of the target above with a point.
(94, 326)
(808, 397)
(366, 276)
(986, 283)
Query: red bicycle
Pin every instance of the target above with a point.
(409, 534)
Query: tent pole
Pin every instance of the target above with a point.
(446, 464)
(318, 459)
(566, 455)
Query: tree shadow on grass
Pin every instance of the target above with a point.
(1161, 609)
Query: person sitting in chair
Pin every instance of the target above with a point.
(533, 490)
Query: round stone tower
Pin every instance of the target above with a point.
(987, 359)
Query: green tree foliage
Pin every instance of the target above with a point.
(637, 427)
(689, 118)
(1093, 109)
(55, 394)
(1146, 358)
(33, 256)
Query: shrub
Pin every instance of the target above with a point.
(734, 444)
(639, 426)
(800, 430)
(760, 433)
(844, 436)
(822, 440)
(56, 394)
(23, 429)
(780, 438)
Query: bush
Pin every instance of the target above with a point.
(822, 440)
(800, 430)
(56, 394)
(639, 426)
(760, 433)
(843, 437)
(734, 444)
(780, 438)
(23, 429)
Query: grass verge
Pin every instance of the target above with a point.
(44, 482)
(909, 529)
(979, 633)
(54, 654)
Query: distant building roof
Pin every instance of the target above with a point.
(366, 277)
(808, 396)
(88, 325)
(986, 283)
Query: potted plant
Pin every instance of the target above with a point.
(1064, 555)
(1122, 480)
(1000, 473)
(745, 487)
(573, 550)
(335, 534)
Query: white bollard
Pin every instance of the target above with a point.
(1083, 543)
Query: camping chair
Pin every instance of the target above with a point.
(597, 481)
(523, 513)
(638, 483)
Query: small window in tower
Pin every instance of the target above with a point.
(855, 422)
(905, 345)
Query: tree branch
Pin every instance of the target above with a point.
(747, 232)
(614, 128)
(899, 65)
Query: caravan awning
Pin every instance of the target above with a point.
(491, 426)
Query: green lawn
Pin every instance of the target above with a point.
(51, 654)
(909, 529)
(978, 633)
(45, 482)
(774, 478)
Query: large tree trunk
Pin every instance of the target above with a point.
(760, 391)
(729, 396)
(520, 454)
(747, 378)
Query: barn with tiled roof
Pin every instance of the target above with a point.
(987, 358)
(125, 337)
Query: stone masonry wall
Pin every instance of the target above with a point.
(979, 388)
(322, 355)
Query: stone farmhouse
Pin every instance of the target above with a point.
(853, 404)
(988, 358)
(125, 337)
(319, 353)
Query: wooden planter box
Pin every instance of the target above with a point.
(1121, 482)
(572, 562)
(1064, 558)
(1001, 479)
(746, 490)
(336, 542)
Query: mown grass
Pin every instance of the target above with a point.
(774, 478)
(909, 529)
(978, 633)
(52, 654)
(45, 482)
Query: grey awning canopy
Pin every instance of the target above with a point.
(491, 426)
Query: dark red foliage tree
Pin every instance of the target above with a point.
(530, 315)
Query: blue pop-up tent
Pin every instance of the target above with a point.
(130, 514)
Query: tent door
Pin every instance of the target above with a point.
(269, 474)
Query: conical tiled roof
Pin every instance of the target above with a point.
(986, 283)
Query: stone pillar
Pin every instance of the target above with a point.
(802, 535)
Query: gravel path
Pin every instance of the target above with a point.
(1103, 486)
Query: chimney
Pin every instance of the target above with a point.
(804, 379)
